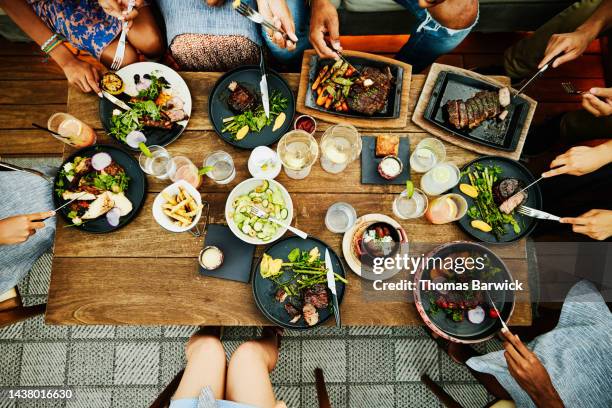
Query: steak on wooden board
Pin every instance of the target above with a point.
(370, 99)
(475, 110)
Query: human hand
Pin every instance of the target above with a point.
(83, 75)
(324, 21)
(598, 101)
(528, 371)
(279, 13)
(118, 8)
(18, 228)
(578, 161)
(596, 224)
(571, 45)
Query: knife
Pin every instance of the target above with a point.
(331, 284)
(536, 75)
(74, 199)
(497, 311)
(263, 84)
(116, 101)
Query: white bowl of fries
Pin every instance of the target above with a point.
(178, 207)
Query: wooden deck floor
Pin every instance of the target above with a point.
(32, 89)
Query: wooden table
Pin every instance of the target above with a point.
(142, 274)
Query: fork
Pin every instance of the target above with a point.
(533, 213)
(254, 16)
(259, 213)
(120, 52)
(569, 88)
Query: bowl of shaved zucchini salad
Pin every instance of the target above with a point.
(268, 196)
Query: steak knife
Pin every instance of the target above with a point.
(116, 101)
(331, 284)
(536, 75)
(263, 84)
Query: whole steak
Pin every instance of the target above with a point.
(370, 99)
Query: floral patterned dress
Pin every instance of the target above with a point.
(83, 22)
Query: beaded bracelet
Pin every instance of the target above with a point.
(51, 43)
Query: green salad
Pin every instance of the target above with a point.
(267, 198)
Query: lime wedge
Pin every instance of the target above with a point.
(144, 149)
(205, 170)
(409, 189)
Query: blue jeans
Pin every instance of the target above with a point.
(428, 40)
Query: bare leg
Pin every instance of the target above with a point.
(248, 374)
(144, 35)
(206, 366)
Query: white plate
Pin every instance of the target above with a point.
(173, 189)
(178, 87)
(244, 188)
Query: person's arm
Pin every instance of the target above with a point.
(573, 44)
(596, 224)
(77, 72)
(18, 228)
(528, 371)
(581, 160)
(324, 22)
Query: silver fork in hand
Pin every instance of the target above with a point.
(533, 213)
(120, 52)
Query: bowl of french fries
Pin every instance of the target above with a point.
(178, 207)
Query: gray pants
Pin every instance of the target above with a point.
(22, 193)
(522, 59)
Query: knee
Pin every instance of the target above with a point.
(456, 15)
(204, 347)
(252, 351)
(151, 43)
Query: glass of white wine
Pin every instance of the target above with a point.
(298, 151)
(340, 145)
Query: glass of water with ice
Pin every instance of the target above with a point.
(429, 152)
(157, 164)
(340, 217)
(222, 167)
(405, 207)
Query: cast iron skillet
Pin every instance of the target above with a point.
(136, 191)
(264, 289)
(465, 331)
(393, 105)
(510, 169)
(249, 77)
(502, 135)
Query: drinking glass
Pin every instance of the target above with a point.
(223, 170)
(441, 177)
(182, 168)
(340, 217)
(340, 145)
(298, 151)
(71, 130)
(428, 153)
(413, 207)
(447, 208)
(158, 164)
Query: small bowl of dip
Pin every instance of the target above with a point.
(390, 167)
(211, 258)
(306, 123)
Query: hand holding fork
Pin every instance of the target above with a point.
(120, 52)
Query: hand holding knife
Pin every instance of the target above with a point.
(331, 284)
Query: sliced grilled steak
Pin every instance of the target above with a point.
(453, 113)
(241, 99)
(370, 99)
(317, 296)
(472, 112)
(463, 116)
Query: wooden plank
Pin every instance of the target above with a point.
(33, 92)
(23, 67)
(364, 122)
(168, 291)
(586, 66)
(29, 142)
(22, 116)
(144, 237)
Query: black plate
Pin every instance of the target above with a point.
(513, 169)
(504, 299)
(264, 289)
(155, 136)
(502, 135)
(136, 191)
(393, 105)
(249, 76)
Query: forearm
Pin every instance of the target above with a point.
(23, 15)
(604, 153)
(548, 398)
(600, 21)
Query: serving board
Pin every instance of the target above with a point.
(500, 81)
(361, 122)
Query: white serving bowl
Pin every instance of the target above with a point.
(244, 188)
(173, 189)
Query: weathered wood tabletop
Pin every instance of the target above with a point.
(142, 274)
